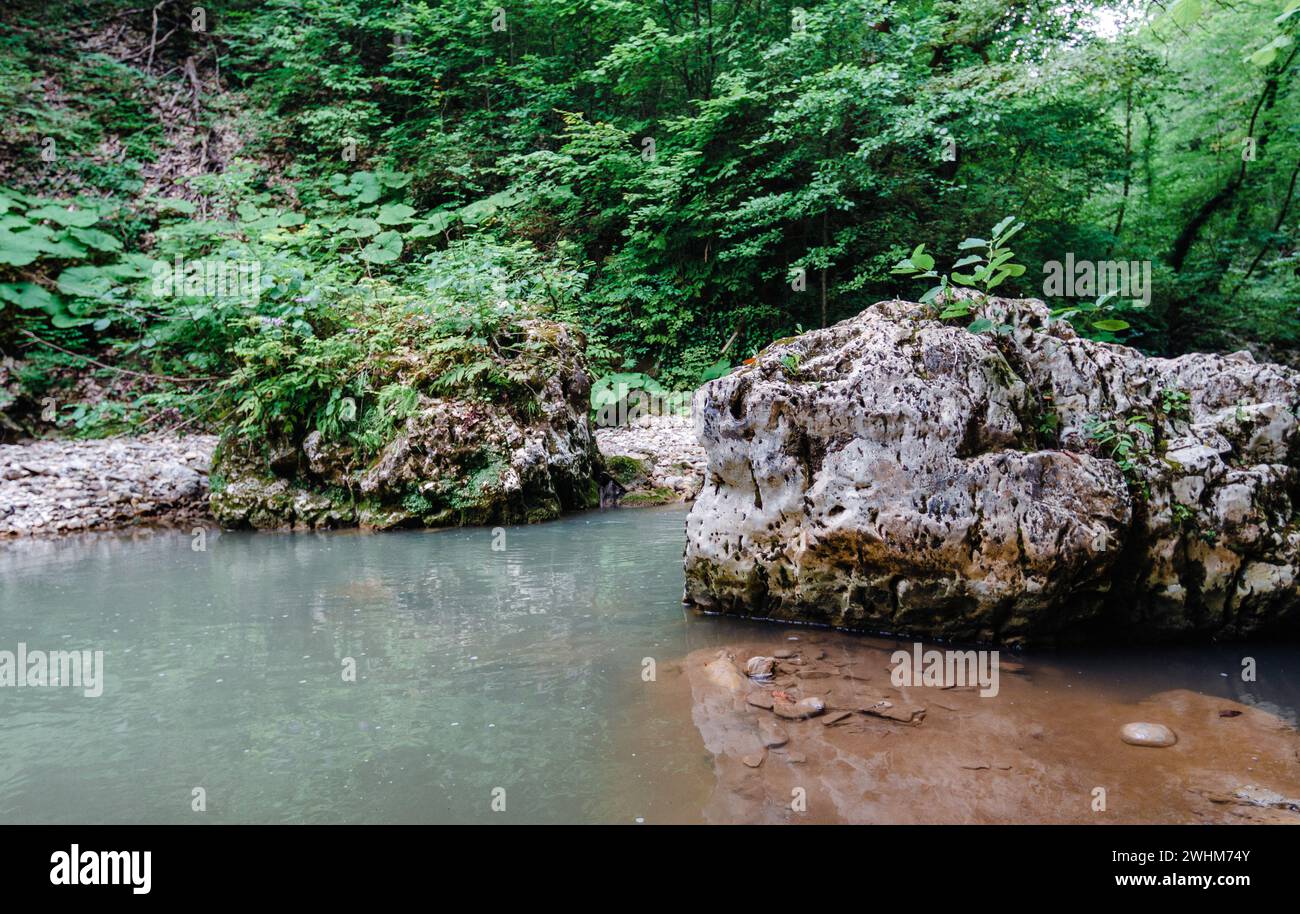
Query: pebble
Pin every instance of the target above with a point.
(799, 710)
(760, 667)
(754, 760)
(761, 699)
(1144, 734)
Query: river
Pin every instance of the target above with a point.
(533, 674)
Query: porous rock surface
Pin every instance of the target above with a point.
(453, 461)
(897, 473)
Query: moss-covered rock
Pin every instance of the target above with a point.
(449, 461)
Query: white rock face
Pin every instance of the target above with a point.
(897, 473)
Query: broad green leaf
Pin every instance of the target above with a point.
(96, 239)
(386, 248)
(1185, 12)
(79, 218)
(27, 295)
(395, 214)
(1112, 325)
(84, 282)
(363, 226)
(63, 320)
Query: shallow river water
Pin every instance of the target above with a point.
(484, 676)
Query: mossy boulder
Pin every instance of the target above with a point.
(450, 461)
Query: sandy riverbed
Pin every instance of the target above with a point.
(1035, 753)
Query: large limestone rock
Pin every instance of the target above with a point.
(453, 461)
(897, 473)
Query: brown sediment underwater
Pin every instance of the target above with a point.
(1037, 752)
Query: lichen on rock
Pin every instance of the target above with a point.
(449, 459)
(897, 473)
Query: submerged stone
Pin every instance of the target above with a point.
(1143, 734)
(760, 667)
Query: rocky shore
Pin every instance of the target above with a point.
(657, 458)
(58, 486)
(67, 486)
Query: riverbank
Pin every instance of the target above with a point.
(68, 486)
(59, 486)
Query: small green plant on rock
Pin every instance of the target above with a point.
(1175, 403)
(1126, 441)
(987, 271)
(1096, 319)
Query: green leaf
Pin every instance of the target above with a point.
(27, 295)
(386, 248)
(175, 205)
(1112, 325)
(63, 320)
(80, 218)
(362, 186)
(84, 282)
(94, 238)
(395, 214)
(923, 262)
(363, 227)
(1185, 12)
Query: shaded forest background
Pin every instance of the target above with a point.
(686, 180)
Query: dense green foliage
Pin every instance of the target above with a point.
(685, 181)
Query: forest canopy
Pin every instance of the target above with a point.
(685, 180)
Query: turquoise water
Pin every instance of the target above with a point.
(476, 669)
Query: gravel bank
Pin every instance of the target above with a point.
(51, 487)
(668, 463)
